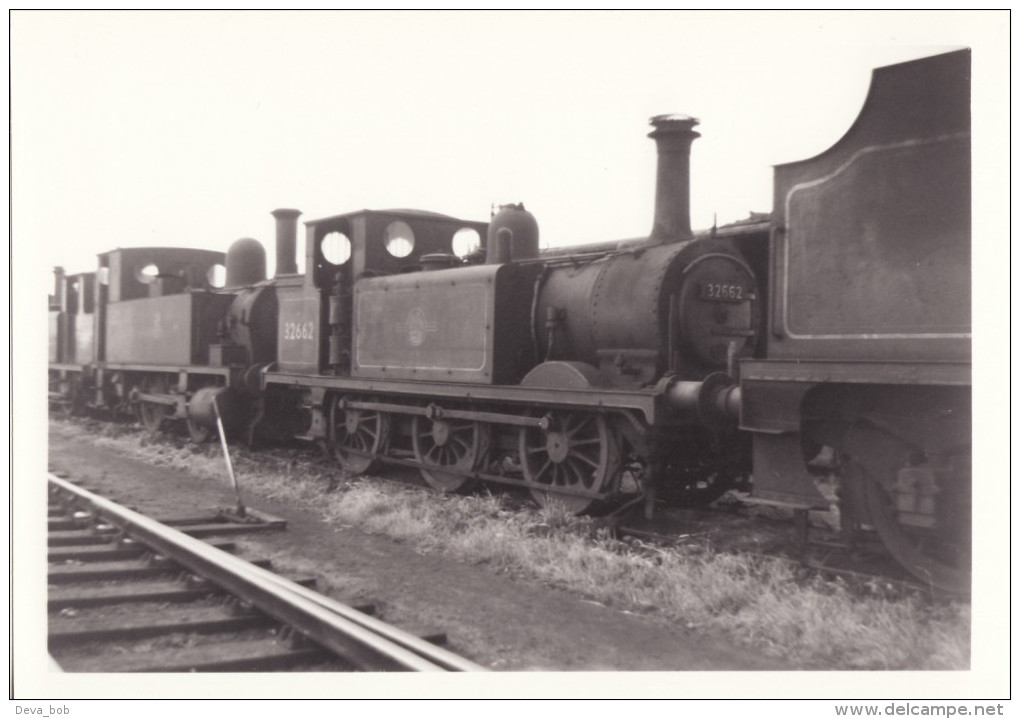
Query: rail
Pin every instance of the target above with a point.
(364, 641)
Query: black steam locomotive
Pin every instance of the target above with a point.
(831, 337)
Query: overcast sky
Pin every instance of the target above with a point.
(187, 129)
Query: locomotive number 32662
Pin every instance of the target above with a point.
(298, 330)
(722, 292)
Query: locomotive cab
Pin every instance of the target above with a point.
(315, 310)
(72, 335)
(72, 316)
(157, 305)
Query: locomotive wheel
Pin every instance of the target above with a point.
(453, 443)
(579, 451)
(939, 560)
(197, 433)
(152, 414)
(356, 433)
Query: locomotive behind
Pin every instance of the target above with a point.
(830, 338)
(867, 362)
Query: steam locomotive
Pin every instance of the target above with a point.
(829, 338)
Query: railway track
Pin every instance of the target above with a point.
(129, 593)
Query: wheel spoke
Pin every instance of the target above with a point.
(355, 449)
(570, 473)
(587, 477)
(587, 458)
(576, 423)
(584, 457)
(459, 444)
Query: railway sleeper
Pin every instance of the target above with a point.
(151, 591)
(111, 552)
(211, 620)
(82, 537)
(218, 619)
(238, 656)
(120, 570)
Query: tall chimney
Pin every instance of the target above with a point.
(673, 135)
(286, 241)
(58, 288)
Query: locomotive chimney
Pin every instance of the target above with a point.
(673, 135)
(58, 288)
(286, 241)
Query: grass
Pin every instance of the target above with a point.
(769, 604)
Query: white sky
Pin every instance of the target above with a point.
(187, 129)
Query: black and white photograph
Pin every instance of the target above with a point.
(566, 354)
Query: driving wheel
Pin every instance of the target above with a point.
(448, 443)
(357, 436)
(578, 452)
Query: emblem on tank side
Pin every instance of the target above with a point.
(417, 326)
